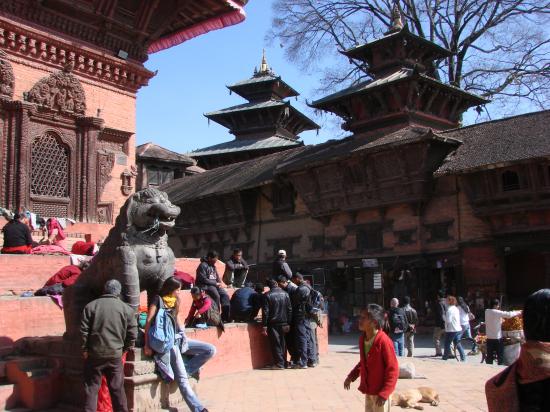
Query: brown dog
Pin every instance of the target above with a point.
(411, 397)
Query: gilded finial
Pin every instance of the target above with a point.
(264, 67)
(396, 22)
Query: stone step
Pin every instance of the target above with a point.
(37, 380)
(8, 397)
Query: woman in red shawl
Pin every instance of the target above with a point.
(56, 235)
(525, 385)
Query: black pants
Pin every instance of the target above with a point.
(246, 316)
(301, 332)
(278, 346)
(495, 346)
(220, 296)
(114, 373)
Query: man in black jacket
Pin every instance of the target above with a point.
(209, 280)
(246, 302)
(280, 267)
(108, 329)
(300, 323)
(236, 270)
(276, 316)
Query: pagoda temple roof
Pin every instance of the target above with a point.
(498, 143)
(264, 78)
(219, 116)
(401, 75)
(246, 145)
(362, 51)
(159, 153)
(227, 179)
(134, 27)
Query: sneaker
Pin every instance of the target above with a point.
(311, 364)
(299, 366)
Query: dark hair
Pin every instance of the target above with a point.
(196, 290)
(406, 300)
(237, 250)
(376, 314)
(440, 294)
(282, 278)
(271, 284)
(171, 284)
(536, 316)
(16, 216)
(249, 284)
(495, 302)
(462, 303)
(259, 287)
(298, 276)
(212, 254)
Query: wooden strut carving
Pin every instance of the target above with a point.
(126, 178)
(105, 164)
(7, 79)
(61, 91)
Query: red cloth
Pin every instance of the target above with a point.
(83, 248)
(103, 397)
(185, 278)
(25, 249)
(381, 365)
(53, 224)
(67, 275)
(202, 305)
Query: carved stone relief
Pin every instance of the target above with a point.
(126, 178)
(61, 91)
(7, 79)
(105, 164)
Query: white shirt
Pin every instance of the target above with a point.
(493, 322)
(452, 319)
(464, 318)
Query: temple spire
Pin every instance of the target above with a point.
(396, 21)
(264, 67)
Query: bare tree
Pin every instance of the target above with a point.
(500, 48)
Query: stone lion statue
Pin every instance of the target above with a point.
(136, 253)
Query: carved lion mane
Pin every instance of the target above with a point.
(136, 253)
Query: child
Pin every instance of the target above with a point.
(379, 370)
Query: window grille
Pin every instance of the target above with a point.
(49, 167)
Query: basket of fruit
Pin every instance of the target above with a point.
(513, 328)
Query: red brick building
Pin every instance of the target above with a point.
(408, 204)
(69, 74)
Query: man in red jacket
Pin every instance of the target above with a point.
(378, 366)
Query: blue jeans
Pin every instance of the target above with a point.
(197, 354)
(453, 337)
(302, 333)
(398, 342)
(180, 376)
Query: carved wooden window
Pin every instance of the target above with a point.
(370, 238)
(510, 181)
(439, 232)
(49, 167)
(405, 237)
(158, 176)
(283, 199)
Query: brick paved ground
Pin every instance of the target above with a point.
(461, 385)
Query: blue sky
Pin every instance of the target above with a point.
(192, 77)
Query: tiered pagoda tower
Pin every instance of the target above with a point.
(404, 89)
(266, 124)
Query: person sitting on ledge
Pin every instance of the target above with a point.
(17, 237)
(246, 303)
(203, 310)
(208, 279)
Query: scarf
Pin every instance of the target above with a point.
(533, 365)
(169, 301)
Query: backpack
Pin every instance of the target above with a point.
(315, 306)
(162, 331)
(398, 321)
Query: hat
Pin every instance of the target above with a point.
(282, 252)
